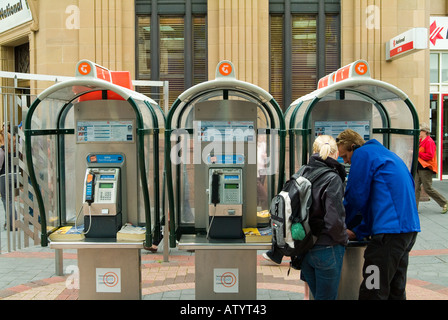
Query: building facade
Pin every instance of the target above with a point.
(283, 46)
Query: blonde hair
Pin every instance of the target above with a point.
(325, 146)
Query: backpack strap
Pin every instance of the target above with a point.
(299, 173)
(317, 173)
(314, 174)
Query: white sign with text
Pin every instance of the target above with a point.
(225, 280)
(108, 280)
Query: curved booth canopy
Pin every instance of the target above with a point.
(57, 149)
(225, 87)
(350, 98)
(232, 109)
(66, 94)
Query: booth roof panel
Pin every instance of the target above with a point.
(375, 89)
(206, 91)
(230, 84)
(68, 90)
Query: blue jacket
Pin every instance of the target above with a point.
(380, 188)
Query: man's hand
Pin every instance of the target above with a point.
(351, 235)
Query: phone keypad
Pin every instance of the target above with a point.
(106, 196)
(232, 197)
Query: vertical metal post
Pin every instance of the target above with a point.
(1, 93)
(154, 36)
(5, 132)
(14, 152)
(188, 38)
(166, 228)
(321, 28)
(59, 262)
(287, 43)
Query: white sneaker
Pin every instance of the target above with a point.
(268, 258)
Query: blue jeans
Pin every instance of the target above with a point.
(321, 270)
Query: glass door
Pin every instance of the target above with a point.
(433, 123)
(438, 123)
(444, 137)
(439, 108)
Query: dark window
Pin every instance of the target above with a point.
(176, 51)
(22, 58)
(301, 49)
(144, 48)
(304, 55)
(276, 58)
(172, 50)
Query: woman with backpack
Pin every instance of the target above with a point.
(321, 266)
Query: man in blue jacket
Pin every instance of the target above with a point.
(380, 190)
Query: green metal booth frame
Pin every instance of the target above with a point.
(225, 87)
(395, 121)
(49, 139)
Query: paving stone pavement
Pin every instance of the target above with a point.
(29, 273)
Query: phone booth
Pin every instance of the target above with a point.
(350, 99)
(224, 162)
(92, 151)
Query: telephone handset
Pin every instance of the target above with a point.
(216, 182)
(90, 189)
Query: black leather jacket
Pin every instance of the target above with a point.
(327, 213)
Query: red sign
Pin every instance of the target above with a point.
(342, 74)
(89, 69)
(358, 68)
(84, 68)
(324, 81)
(402, 49)
(225, 69)
(361, 68)
(102, 73)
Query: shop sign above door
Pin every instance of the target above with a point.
(406, 43)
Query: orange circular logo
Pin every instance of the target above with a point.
(84, 68)
(225, 69)
(361, 68)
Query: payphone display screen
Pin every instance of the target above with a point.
(106, 185)
(231, 186)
